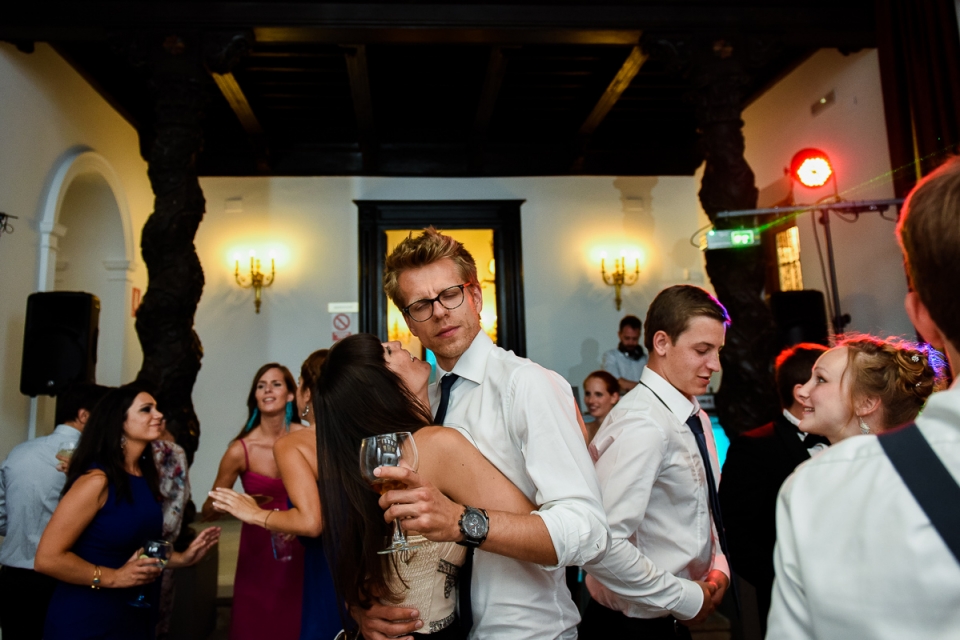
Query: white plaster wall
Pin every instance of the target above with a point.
(46, 110)
(853, 133)
(312, 223)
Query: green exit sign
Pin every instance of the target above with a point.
(730, 238)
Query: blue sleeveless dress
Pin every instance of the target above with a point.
(321, 611)
(78, 612)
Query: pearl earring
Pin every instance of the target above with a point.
(864, 427)
(306, 410)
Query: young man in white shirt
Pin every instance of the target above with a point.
(523, 418)
(31, 479)
(656, 461)
(856, 556)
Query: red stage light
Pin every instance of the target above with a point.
(811, 168)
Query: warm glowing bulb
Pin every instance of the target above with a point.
(814, 172)
(236, 257)
(603, 255)
(253, 254)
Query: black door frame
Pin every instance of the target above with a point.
(503, 216)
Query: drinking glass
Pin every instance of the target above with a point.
(389, 450)
(161, 550)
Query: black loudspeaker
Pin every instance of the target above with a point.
(801, 316)
(59, 341)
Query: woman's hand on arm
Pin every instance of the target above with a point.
(231, 466)
(72, 516)
(204, 541)
(242, 506)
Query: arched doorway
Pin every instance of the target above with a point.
(86, 244)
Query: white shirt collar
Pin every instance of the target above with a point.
(676, 402)
(792, 419)
(473, 362)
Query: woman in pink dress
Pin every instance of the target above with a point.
(267, 591)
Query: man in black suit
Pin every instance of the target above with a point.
(757, 464)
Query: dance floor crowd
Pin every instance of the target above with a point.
(383, 499)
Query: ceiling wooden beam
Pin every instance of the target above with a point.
(233, 94)
(356, 58)
(322, 35)
(628, 71)
(496, 69)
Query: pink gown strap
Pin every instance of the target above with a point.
(246, 456)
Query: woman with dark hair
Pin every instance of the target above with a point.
(367, 388)
(296, 456)
(268, 585)
(601, 391)
(111, 505)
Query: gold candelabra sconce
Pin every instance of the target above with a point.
(619, 278)
(258, 280)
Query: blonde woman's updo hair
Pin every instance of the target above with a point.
(900, 373)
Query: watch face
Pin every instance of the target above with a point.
(474, 524)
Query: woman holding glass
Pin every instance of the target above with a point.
(268, 584)
(368, 389)
(296, 456)
(104, 542)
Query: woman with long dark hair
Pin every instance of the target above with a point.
(296, 456)
(268, 584)
(365, 389)
(111, 506)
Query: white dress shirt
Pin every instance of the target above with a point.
(30, 488)
(856, 557)
(522, 418)
(619, 365)
(655, 494)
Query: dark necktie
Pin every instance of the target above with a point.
(694, 423)
(445, 383)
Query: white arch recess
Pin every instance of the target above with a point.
(78, 161)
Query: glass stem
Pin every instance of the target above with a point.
(399, 538)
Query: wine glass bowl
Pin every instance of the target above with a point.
(161, 550)
(389, 450)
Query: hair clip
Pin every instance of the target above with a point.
(915, 358)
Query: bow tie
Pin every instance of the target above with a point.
(811, 439)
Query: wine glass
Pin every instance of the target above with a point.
(389, 450)
(159, 549)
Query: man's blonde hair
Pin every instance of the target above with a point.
(427, 248)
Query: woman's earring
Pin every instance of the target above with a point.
(306, 410)
(864, 427)
(123, 442)
(289, 415)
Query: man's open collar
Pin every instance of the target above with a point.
(473, 363)
(676, 402)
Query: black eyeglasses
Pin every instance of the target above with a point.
(422, 310)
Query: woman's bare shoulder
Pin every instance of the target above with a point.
(304, 439)
(440, 438)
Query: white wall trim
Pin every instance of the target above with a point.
(77, 161)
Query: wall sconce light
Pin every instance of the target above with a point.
(257, 279)
(619, 278)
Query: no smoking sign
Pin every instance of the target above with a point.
(343, 319)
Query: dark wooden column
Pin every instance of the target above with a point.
(181, 86)
(747, 396)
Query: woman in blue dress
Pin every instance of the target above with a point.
(111, 506)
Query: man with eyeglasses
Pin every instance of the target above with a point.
(523, 418)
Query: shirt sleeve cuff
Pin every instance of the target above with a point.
(571, 548)
(691, 600)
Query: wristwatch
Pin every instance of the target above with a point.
(474, 525)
